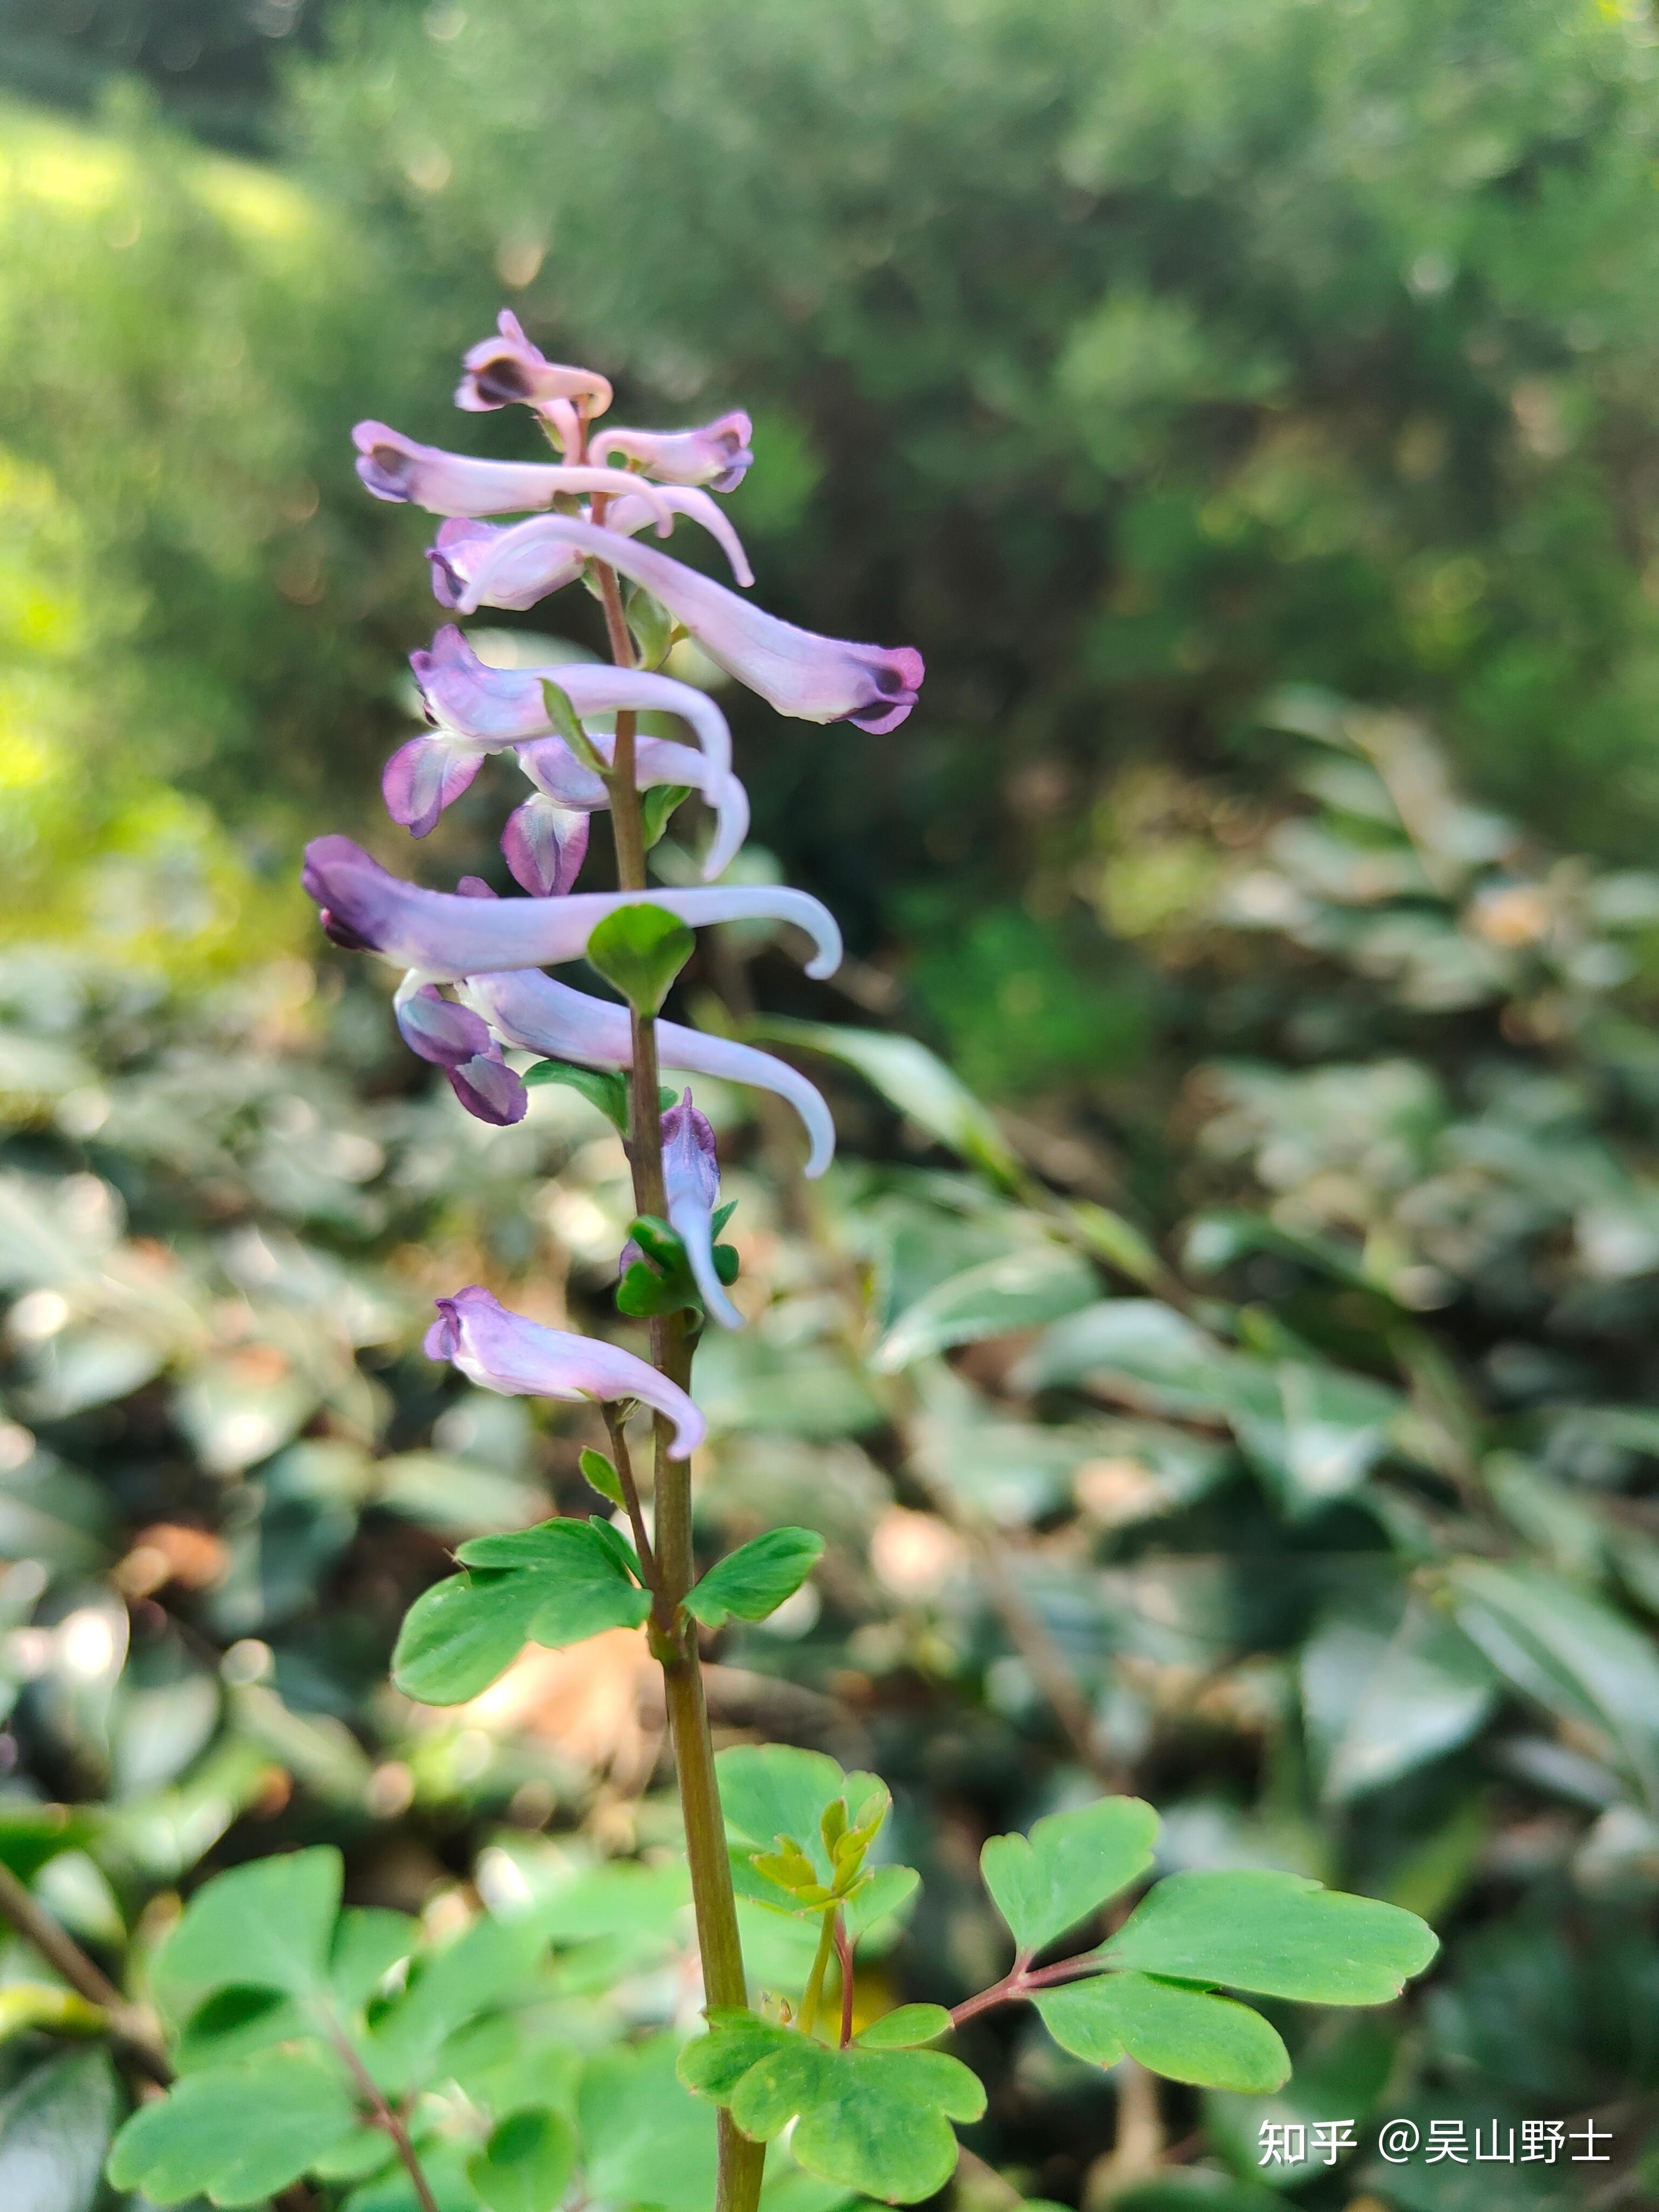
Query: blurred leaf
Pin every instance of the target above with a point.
(600, 1086)
(55, 2126)
(905, 2027)
(526, 2163)
(235, 2133)
(993, 1299)
(914, 1082)
(266, 1925)
(1381, 1701)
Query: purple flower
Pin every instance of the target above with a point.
(533, 1013)
(448, 935)
(395, 468)
(715, 453)
(478, 564)
(560, 776)
(504, 705)
(545, 843)
(817, 679)
(455, 1039)
(507, 368)
(424, 776)
(691, 1184)
(503, 1351)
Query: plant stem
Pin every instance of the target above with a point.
(622, 1460)
(127, 2024)
(386, 2116)
(813, 1995)
(844, 1953)
(725, 1986)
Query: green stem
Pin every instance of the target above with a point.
(725, 1986)
(814, 1991)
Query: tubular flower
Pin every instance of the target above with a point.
(715, 453)
(557, 772)
(691, 1184)
(477, 563)
(504, 706)
(534, 1013)
(502, 1350)
(506, 369)
(398, 469)
(817, 679)
(455, 1039)
(450, 936)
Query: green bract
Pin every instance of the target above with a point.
(641, 948)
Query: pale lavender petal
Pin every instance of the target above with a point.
(506, 369)
(559, 776)
(691, 1184)
(630, 514)
(537, 1014)
(438, 1029)
(423, 777)
(518, 575)
(448, 936)
(489, 1090)
(715, 453)
(817, 679)
(504, 706)
(502, 1350)
(398, 469)
(544, 844)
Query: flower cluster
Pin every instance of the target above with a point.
(473, 987)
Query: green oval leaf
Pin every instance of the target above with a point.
(754, 1581)
(1281, 1935)
(641, 948)
(1190, 2035)
(529, 2159)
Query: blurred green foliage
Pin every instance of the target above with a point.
(1250, 411)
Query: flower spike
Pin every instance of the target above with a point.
(500, 1350)
(450, 936)
(817, 679)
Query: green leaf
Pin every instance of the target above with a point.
(233, 2023)
(1171, 1361)
(657, 809)
(1569, 1653)
(878, 2121)
(641, 948)
(55, 2127)
(598, 1085)
(1190, 2035)
(267, 1925)
(457, 1637)
(529, 2159)
(234, 2133)
(754, 1581)
(1281, 1935)
(773, 1790)
(914, 1080)
(1021, 1290)
(906, 2026)
(1385, 1697)
(564, 717)
(712, 2065)
(1071, 1864)
(653, 630)
(555, 1584)
(367, 1944)
(599, 1474)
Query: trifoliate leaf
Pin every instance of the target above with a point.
(754, 1581)
(1282, 1934)
(876, 2121)
(268, 1925)
(1190, 2035)
(1069, 1866)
